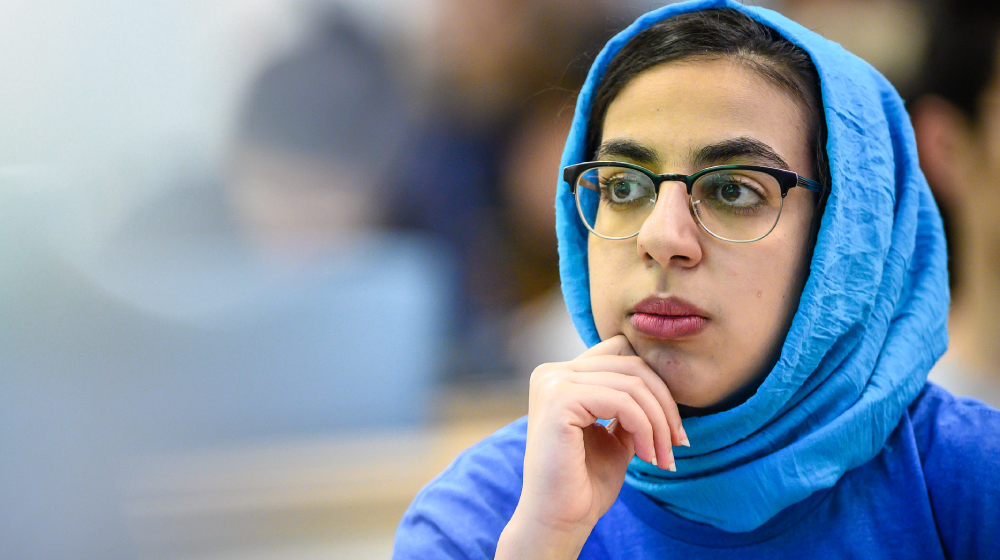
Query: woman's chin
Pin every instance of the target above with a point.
(695, 381)
(686, 383)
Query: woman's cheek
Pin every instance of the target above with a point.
(609, 285)
(600, 303)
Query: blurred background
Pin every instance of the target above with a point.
(267, 266)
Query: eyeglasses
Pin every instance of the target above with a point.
(738, 203)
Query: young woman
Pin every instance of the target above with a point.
(749, 247)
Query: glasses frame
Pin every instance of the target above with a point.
(786, 180)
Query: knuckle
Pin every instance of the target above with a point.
(535, 374)
(635, 384)
(636, 409)
(539, 373)
(553, 384)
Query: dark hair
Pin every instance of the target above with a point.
(714, 34)
(335, 96)
(961, 56)
(959, 64)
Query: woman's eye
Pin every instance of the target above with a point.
(735, 192)
(622, 189)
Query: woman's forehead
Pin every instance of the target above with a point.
(678, 109)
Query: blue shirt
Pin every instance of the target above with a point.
(933, 492)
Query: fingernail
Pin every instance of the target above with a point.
(672, 467)
(670, 462)
(654, 461)
(684, 437)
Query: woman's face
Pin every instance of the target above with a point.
(746, 293)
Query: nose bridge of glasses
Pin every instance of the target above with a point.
(658, 181)
(678, 197)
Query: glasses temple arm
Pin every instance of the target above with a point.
(809, 184)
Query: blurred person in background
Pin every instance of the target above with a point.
(314, 147)
(540, 329)
(267, 304)
(317, 143)
(299, 221)
(484, 69)
(956, 117)
(888, 34)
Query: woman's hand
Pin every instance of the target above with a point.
(574, 468)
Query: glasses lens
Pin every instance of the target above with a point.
(614, 201)
(737, 205)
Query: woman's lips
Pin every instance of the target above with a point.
(668, 326)
(667, 318)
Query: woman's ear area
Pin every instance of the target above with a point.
(943, 144)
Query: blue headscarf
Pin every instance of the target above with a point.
(870, 323)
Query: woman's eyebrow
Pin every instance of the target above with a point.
(736, 148)
(628, 149)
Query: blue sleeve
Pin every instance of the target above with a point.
(959, 443)
(461, 513)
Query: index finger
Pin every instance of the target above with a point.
(617, 345)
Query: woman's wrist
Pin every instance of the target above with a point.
(525, 538)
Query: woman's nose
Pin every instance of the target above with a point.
(670, 235)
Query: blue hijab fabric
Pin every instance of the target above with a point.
(870, 323)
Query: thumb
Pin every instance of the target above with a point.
(624, 437)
